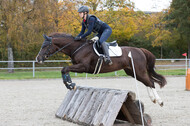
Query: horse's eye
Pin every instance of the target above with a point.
(46, 56)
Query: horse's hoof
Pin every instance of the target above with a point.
(154, 101)
(161, 104)
(75, 87)
(72, 86)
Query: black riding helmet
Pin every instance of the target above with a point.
(83, 9)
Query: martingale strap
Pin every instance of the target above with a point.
(98, 65)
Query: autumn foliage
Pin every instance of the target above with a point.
(23, 22)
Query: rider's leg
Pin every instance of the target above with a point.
(106, 53)
(105, 35)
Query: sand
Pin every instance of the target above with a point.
(35, 102)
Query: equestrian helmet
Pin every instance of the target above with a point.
(83, 9)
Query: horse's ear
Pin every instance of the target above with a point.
(46, 37)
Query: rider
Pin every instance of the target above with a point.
(94, 24)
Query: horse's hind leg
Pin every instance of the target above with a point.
(151, 95)
(143, 77)
(158, 99)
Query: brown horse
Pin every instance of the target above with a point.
(84, 59)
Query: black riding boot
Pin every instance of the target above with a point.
(106, 53)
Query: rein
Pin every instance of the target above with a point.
(79, 48)
(60, 49)
(68, 45)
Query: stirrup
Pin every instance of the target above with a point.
(108, 61)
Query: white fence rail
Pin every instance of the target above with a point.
(169, 64)
(33, 65)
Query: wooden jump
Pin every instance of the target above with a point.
(100, 107)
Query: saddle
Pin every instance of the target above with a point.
(113, 48)
(114, 51)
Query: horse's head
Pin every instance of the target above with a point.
(46, 50)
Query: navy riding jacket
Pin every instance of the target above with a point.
(91, 25)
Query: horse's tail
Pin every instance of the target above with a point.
(150, 67)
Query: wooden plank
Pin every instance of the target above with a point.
(83, 105)
(131, 96)
(65, 103)
(134, 111)
(100, 113)
(85, 113)
(116, 103)
(124, 123)
(69, 106)
(99, 100)
(132, 107)
(127, 114)
(97, 106)
(76, 104)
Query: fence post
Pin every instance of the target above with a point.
(33, 68)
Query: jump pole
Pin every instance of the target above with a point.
(137, 91)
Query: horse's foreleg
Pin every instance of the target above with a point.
(67, 79)
(158, 99)
(152, 98)
(66, 76)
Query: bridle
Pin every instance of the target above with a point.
(47, 52)
(60, 48)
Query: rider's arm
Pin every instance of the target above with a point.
(90, 27)
(82, 29)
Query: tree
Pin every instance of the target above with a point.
(22, 24)
(153, 28)
(118, 4)
(179, 17)
(123, 27)
(9, 18)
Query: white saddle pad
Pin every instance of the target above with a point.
(114, 51)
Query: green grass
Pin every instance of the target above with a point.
(172, 72)
(51, 74)
(57, 74)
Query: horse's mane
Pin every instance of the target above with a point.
(64, 35)
(59, 35)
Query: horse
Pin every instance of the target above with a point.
(84, 59)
